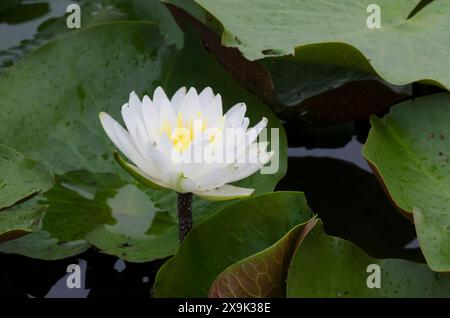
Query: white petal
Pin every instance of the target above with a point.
(162, 162)
(252, 160)
(233, 109)
(206, 97)
(236, 115)
(184, 185)
(211, 105)
(178, 98)
(121, 139)
(167, 117)
(150, 118)
(253, 132)
(139, 174)
(225, 192)
(133, 117)
(245, 123)
(249, 169)
(164, 145)
(190, 107)
(159, 96)
(134, 100)
(212, 110)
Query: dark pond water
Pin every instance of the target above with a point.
(325, 163)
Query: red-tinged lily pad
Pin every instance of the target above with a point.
(264, 274)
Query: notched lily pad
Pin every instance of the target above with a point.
(409, 149)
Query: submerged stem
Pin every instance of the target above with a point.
(184, 214)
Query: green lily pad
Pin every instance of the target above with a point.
(19, 222)
(326, 266)
(96, 69)
(249, 26)
(41, 245)
(409, 149)
(264, 274)
(21, 177)
(233, 234)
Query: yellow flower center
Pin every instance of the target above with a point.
(184, 132)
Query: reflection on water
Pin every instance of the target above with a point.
(132, 210)
(60, 290)
(351, 152)
(22, 22)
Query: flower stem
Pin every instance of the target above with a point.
(184, 214)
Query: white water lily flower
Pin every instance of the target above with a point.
(163, 134)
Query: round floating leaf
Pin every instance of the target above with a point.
(401, 51)
(326, 266)
(233, 234)
(20, 177)
(18, 222)
(409, 149)
(87, 72)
